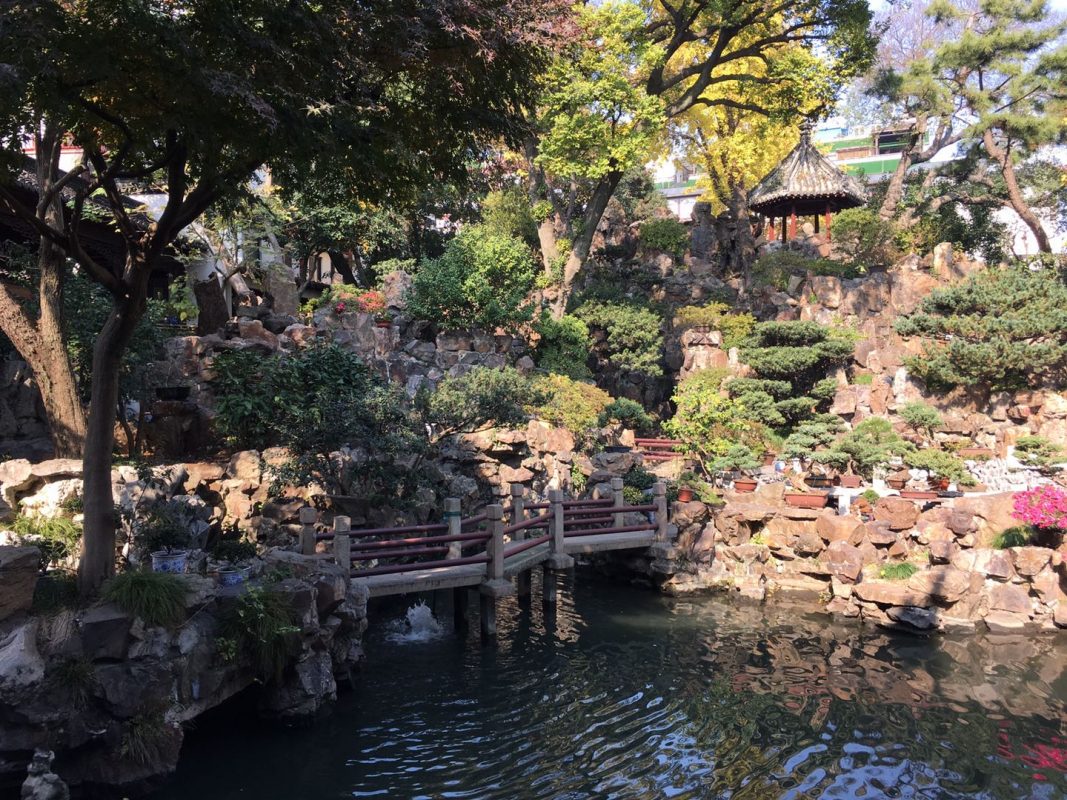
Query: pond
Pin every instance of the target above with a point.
(623, 693)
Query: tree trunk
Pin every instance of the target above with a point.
(546, 236)
(98, 540)
(211, 302)
(895, 191)
(743, 252)
(1015, 195)
(598, 203)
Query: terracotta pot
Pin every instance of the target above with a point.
(850, 481)
(807, 499)
(685, 495)
(818, 481)
(940, 484)
(384, 323)
(744, 485)
(896, 483)
(914, 494)
(769, 459)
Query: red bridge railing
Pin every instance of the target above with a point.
(658, 449)
(420, 547)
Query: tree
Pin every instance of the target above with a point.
(193, 98)
(999, 329)
(1013, 58)
(38, 338)
(654, 68)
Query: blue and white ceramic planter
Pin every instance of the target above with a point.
(230, 576)
(172, 563)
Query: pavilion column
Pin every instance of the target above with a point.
(769, 235)
(793, 223)
(816, 223)
(785, 230)
(827, 218)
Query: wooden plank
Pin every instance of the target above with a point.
(611, 541)
(424, 580)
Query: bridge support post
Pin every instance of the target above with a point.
(659, 494)
(495, 585)
(518, 514)
(557, 558)
(618, 519)
(308, 518)
(460, 599)
(455, 525)
(342, 544)
(549, 586)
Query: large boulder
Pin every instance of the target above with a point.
(941, 582)
(844, 561)
(901, 514)
(991, 513)
(19, 568)
(837, 528)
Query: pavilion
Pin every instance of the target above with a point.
(804, 184)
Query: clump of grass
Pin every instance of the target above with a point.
(145, 737)
(54, 592)
(155, 597)
(56, 537)
(261, 624)
(1016, 536)
(871, 496)
(897, 572)
(77, 676)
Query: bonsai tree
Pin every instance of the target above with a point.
(922, 419)
(739, 458)
(811, 436)
(1036, 451)
(942, 464)
(869, 445)
(627, 413)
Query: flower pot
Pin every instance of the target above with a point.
(744, 485)
(818, 482)
(850, 481)
(384, 323)
(686, 495)
(940, 484)
(230, 576)
(914, 494)
(173, 563)
(769, 459)
(807, 499)
(896, 483)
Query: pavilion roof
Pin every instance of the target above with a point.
(805, 177)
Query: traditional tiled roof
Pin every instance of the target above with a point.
(804, 176)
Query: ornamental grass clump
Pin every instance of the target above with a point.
(155, 597)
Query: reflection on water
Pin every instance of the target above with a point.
(625, 694)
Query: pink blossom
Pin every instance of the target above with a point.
(339, 308)
(1042, 507)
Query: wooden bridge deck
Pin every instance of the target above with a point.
(452, 577)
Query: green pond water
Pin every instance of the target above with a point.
(622, 693)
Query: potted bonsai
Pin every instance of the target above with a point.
(688, 483)
(737, 461)
(803, 499)
(167, 540)
(943, 468)
(620, 415)
(384, 319)
(233, 555)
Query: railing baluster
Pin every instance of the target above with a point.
(342, 544)
(308, 517)
(557, 558)
(619, 519)
(455, 525)
(659, 493)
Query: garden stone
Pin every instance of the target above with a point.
(941, 551)
(56, 468)
(245, 466)
(943, 582)
(1029, 561)
(808, 544)
(18, 578)
(921, 619)
(253, 331)
(901, 514)
(300, 596)
(16, 476)
(21, 666)
(880, 533)
(1005, 622)
(41, 783)
(1059, 615)
(130, 687)
(889, 593)
(1009, 597)
(105, 630)
(990, 563)
(308, 687)
(844, 561)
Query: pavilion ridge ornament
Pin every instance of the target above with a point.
(805, 183)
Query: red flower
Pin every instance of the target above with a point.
(339, 308)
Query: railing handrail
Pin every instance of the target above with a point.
(541, 520)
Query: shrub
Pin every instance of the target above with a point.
(481, 280)
(946, 465)
(56, 537)
(1041, 507)
(921, 418)
(477, 399)
(579, 481)
(633, 496)
(707, 422)
(626, 412)
(715, 315)
(261, 625)
(639, 478)
(574, 405)
(737, 458)
(155, 597)
(1036, 451)
(162, 528)
(897, 572)
(390, 265)
(665, 234)
(564, 347)
(507, 212)
(634, 334)
(234, 550)
(776, 268)
(863, 237)
(1001, 328)
(1017, 536)
(870, 444)
(811, 435)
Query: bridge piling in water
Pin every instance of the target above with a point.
(495, 584)
(557, 558)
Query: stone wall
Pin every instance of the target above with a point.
(761, 547)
